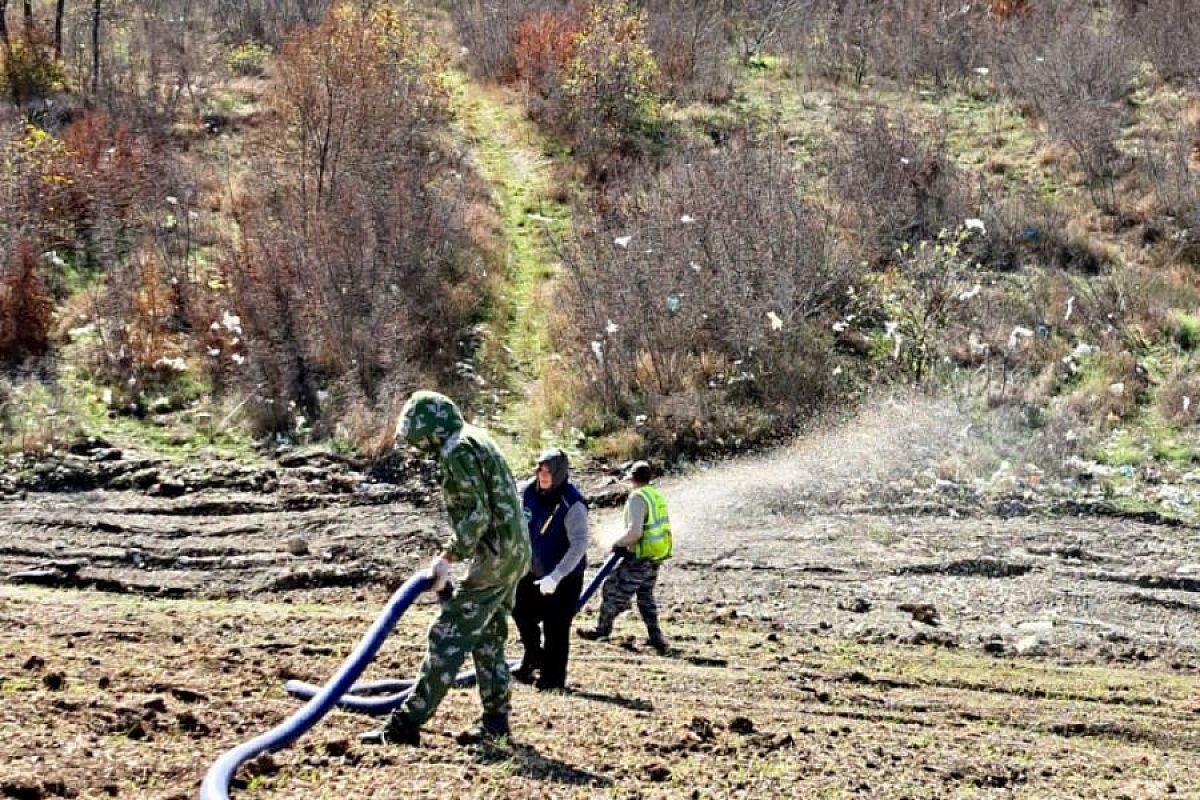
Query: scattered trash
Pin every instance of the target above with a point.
(1017, 333)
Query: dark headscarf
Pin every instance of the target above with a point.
(554, 460)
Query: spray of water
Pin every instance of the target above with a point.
(890, 440)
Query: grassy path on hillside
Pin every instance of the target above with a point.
(510, 153)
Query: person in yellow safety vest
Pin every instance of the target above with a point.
(646, 544)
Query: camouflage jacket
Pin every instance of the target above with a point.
(481, 496)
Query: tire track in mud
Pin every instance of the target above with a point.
(219, 545)
(797, 538)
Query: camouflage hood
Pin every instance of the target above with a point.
(428, 421)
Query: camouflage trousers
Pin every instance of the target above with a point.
(631, 577)
(474, 621)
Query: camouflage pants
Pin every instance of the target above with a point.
(475, 621)
(631, 577)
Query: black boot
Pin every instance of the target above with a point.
(397, 730)
(491, 728)
(659, 644)
(530, 663)
(594, 634)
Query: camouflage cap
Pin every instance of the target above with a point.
(428, 420)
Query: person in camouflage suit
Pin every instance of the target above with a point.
(489, 530)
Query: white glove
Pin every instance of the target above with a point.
(547, 584)
(439, 573)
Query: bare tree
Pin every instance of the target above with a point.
(4, 24)
(60, 8)
(96, 8)
(760, 20)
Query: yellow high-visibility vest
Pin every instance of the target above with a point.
(655, 544)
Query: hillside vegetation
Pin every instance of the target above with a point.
(632, 228)
(908, 291)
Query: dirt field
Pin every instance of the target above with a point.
(841, 627)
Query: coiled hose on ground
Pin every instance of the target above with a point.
(342, 690)
(380, 697)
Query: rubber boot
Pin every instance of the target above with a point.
(491, 727)
(397, 730)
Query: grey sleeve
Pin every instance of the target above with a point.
(577, 541)
(636, 509)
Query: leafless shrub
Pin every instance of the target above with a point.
(1024, 230)
(143, 63)
(908, 41)
(352, 246)
(150, 62)
(1178, 400)
(935, 40)
(1111, 389)
(1176, 184)
(755, 24)
(690, 48)
(1074, 73)
(1168, 32)
(839, 41)
(901, 183)
(137, 320)
(1107, 308)
(267, 21)
(701, 285)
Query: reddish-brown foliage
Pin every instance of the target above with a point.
(25, 307)
(1007, 8)
(543, 43)
(106, 176)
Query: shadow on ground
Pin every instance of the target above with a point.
(525, 760)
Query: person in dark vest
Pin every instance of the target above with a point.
(646, 544)
(556, 514)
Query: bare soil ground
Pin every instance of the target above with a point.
(840, 628)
